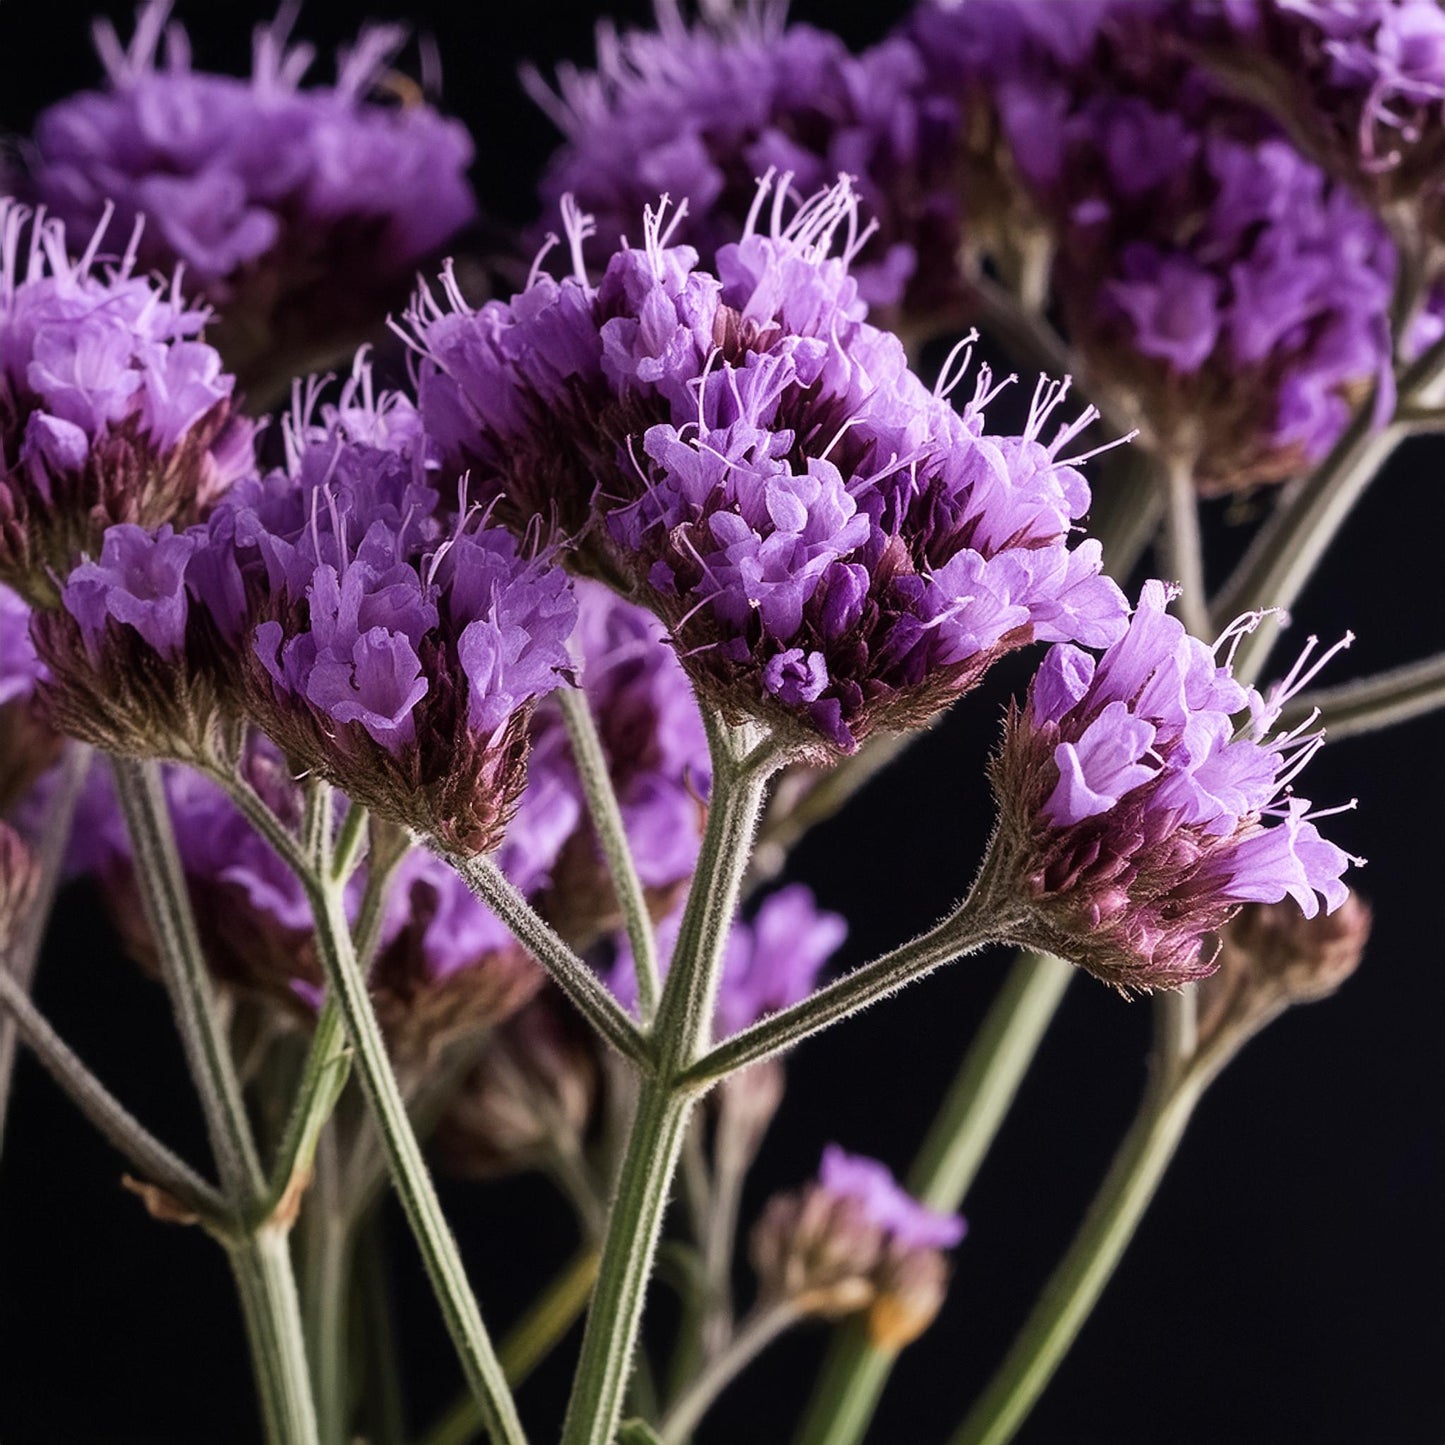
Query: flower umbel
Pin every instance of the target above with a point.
(1143, 799)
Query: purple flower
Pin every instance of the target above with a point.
(140, 581)
(699, 111)
(1186, 229)
(296, 211)
(886, 1203)
(1144, 797)
(831, 545)
(769, 964)
(20, 666)
(110, 409)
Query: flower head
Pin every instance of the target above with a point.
(1143, 797)
(856, 1241)
(112, 410)
(698, 111)
(831, 544)
(1217, 279)
(297, 211)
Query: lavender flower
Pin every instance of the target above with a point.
(1218, 280)
(111, 409)
(768, 964)
(699, 111)
(301, 213)
(832, 546)
(1143, 798)
(855, 1241)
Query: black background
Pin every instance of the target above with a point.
(1288, 1284)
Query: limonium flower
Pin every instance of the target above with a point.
(112, 409)
(296, 210)
(699, 110)
(833, 546)
(1144, 796)
(856, 1241)
(1209, 272)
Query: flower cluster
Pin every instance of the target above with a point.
(112, 409)
(699, 111)
(1362, 84)
(855, 1241)
(1143, 799)
(833, 546)
(297, 211)
(395, 651)
(1219, 279)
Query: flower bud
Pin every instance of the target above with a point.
(856, 1241)
(1271, 956)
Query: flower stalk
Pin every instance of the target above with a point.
(742, 764)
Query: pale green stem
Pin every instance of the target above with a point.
(754, 1335)
(1183, 546)
(408, 1169)
(260, 1258)
(19, 961)
(964, 931)
(684, 1018)
(327, 1229)
(173, 926)
(606, 813)
(1370, 703)
(1079, 1280)
(261, 1263)
(591, 997)
(156, 1164)
(855, 1372)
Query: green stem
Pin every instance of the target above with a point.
(20, 960)
(589, 995)
(753, 1337)
(1183, 546)
(328, 1231)
(147, 1155)
(408, 1169)
(606, 813)
(741, 766)
(855, 1372)
(261, 1263)
(1370, 703)
(1080, 1278)
(173, 926)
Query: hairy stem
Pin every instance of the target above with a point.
(591, 997)
(754, 1336)
(742, 764)
(150, 1158)
(606, 813)
(19, 961)
(408, 1169)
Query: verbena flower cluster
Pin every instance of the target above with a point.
(298, 210)
(833, 546)
(395, 650)
(697, 111)
(112, 407)
(1144, 797)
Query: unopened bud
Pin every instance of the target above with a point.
(1272, 956)
(856, 1241)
